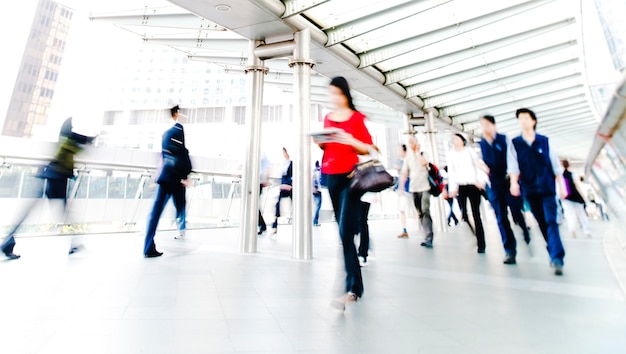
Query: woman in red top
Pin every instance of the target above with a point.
(339, 159)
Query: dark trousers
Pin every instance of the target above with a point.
(364, 230)
(472, 193)
(346, 205)
(498, 197)
(262, 225)
(544, 209)
(283, 194)
(55, 189)
(164, 192)
(422, 204)
(318, 205)
(516, 205)
(451, 215)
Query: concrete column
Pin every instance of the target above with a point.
(250, 186)
(303, 218)
(437, 208)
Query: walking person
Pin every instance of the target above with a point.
(466, 180)
(317, 193)
(494, 148)
(286, 183)
(451, 214)
(534, 168)
(172, 180)
(574, 203)
(264, 182)
(340, 157)
(405, 199)
(55, 176)
(415, 167)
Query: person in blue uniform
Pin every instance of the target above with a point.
(493, 147)
(172, 180)
(535, 170)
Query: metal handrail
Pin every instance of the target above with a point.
(613, 119)
(93, 164)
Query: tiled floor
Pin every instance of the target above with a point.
(203, 296)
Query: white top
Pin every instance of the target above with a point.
(418, 174)
(462, 169)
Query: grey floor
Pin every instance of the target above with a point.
(203, 296)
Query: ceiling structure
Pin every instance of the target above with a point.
(457, 58)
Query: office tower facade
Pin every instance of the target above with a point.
(39, 70)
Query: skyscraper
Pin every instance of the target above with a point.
(34, 87)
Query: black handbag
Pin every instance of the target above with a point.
(370, 176)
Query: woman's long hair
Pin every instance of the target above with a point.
(341, 83)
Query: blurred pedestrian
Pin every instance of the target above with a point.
(535, 169)
(317, 193)
(574, 203)
(172, 180)
(340, 157)
(55, 176)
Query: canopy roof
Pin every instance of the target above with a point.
(457, 58)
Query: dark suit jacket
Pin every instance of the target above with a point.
(176, 162)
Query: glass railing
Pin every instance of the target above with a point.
(606, 163)
(108, 199)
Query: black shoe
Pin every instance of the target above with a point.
(481, 250)
(509, 260)
(153, 254)
(11, 256)
(426, 244)
(261, 231)
(558, 268)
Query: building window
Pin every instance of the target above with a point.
(239, 114)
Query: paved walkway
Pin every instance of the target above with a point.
(203, 296)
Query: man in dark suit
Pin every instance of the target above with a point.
(172, 180)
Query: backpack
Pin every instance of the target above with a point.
(435, 180)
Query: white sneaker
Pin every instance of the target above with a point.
(362, 261)
(181, 235)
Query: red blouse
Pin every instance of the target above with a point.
(340, 158)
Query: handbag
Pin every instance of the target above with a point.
(370, 176)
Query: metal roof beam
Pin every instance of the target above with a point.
(578, 99)
(233, 45)
(510, 94)
(430, 85)
(152, 18)
(525, 102)
(403, 73)
(371, 22)
(377, 55)
(548, 121)
(439, 99)
(296, 7)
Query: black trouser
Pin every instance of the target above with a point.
(451, 215)
(55, 189)
(364, 229)
(472, 193)
(283, 194)
(346, 205)
(262, 225)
